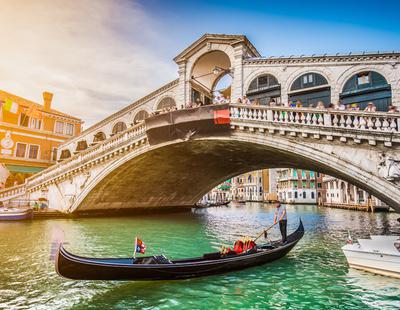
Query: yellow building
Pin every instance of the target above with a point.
(30, 134)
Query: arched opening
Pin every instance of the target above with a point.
(310, 88)
(118, 127)
(208, 74)
(81, 146)
(140, 116)
(166, 103)
(365, 87)
(265, 89)
(65, 154)
(98, 137)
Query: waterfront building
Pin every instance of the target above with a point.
(296, 186)
(222, 192)
(254, 185)
(341, 194)
(30, 134)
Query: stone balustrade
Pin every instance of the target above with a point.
(12, 192)
(349, 120)
(77, 160)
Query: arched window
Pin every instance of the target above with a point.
(309, 89)
(166, 103)
(367, 86)
(119, 127)
(265, 88)
(140, 116)
(100, 136)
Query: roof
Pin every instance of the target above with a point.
(26, 103)
(231, 39)
(327, 57)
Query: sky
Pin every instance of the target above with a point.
(97, 56)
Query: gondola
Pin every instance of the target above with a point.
(161, 268)
(212, 204)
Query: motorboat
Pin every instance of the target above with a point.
(159, 267)
(15, 214)
(380, 255)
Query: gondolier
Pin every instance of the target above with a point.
(281, 217)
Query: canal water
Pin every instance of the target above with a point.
(314, 275)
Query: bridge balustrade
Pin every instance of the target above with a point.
(359, 120)
(76, 160)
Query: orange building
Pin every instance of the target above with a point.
(30, 134)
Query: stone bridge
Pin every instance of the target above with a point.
(112, 165)
(126, 171)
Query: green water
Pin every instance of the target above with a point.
(313, 276)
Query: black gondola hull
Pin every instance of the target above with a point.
(80, 268)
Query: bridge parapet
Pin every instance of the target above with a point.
(89, 157)
(354, 125)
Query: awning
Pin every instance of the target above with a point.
(24, 169)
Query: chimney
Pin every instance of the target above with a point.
(47, 97)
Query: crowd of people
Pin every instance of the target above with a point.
(320, 105)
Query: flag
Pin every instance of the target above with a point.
(10, 106)
(140, 247)
(4, 174)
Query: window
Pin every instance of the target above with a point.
(70, 129)
(20, 150)
(312, 174)
(363, 78)
(33, 151)
(319, 185)
(304, 195)
(303, 174)
(54, 154)
(312, 184)
(24, 120)
(166, 103)
(303, 184)
(59, 127)
(36, 123)
(295, 184)
(295, 194)
(295, 173)
(312, 195)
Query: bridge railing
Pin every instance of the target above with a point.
(12, 192)
(360, 120)
(76, 160)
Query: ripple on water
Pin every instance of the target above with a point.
(314, 275)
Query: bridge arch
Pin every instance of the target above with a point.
(264, 87)
(118, 127)
(309, 88)
(364, 86)
(225, 158)
(165, 102)
(99, 136)
(140, 116)
(205, 71)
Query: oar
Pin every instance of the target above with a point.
(218, 243)
(264, 231)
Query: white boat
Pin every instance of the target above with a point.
(379, 255)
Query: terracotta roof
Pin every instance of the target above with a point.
(26, 103)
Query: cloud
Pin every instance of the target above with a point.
(95, 56)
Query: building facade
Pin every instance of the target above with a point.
(254, 185)
(30, 134)
(296, 186)
(339, 192)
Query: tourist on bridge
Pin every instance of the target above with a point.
(281, 217)
(246, 100)
(393, 109)
(370, 107)
(320, 105)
